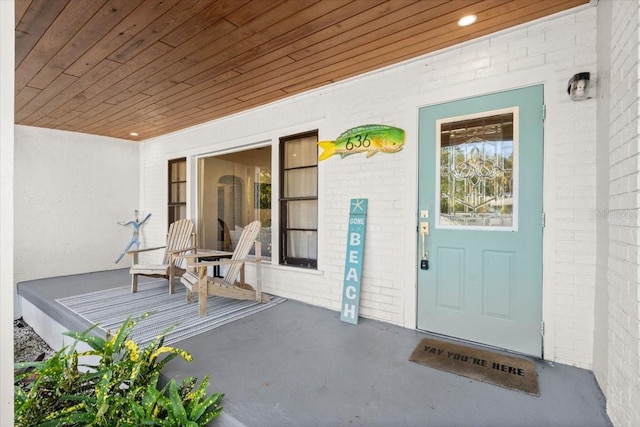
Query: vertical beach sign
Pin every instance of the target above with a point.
(353, 261)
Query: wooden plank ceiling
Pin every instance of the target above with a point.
(112, 67)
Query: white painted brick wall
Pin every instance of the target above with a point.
(622, 370)
(549, 52)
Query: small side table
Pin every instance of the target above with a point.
(210, 255)
(213, 255)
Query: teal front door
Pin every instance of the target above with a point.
(480, 219)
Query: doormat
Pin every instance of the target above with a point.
(491, 367)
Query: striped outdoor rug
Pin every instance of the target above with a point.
(110, 308)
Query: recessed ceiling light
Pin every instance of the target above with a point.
(467, 20)
(133, 134)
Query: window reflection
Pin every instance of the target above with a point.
(234, 190)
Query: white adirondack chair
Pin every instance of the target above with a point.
(181, 239)
(195, 279)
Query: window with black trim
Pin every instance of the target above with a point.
(299, 200)
(177, 189)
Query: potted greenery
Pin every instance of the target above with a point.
(120, 389)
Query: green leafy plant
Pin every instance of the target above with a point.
(121, 388)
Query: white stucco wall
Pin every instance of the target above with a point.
(7, 77)
(549, 51)
(71, 189)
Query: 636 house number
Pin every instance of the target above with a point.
(358, 141)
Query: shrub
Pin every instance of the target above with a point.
(120, 389)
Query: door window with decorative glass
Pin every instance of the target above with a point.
(477, 186)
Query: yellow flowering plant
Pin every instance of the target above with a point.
(114, 383)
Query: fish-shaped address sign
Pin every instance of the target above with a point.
(369, 139)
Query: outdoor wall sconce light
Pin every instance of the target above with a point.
(579, 86)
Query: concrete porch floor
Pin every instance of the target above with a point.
(298, 365)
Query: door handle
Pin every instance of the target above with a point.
(424, 232)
